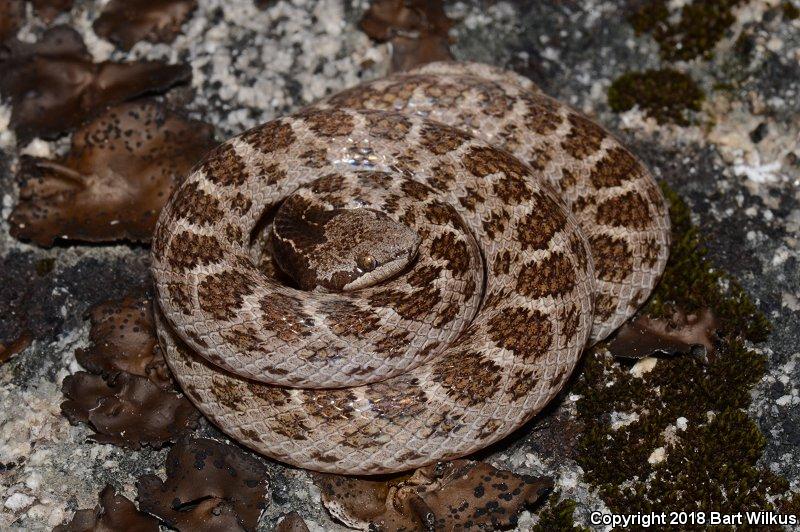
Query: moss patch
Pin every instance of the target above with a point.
(700, 25)
(790, 11)
(711, 464)
(667, 95)
(558, 517)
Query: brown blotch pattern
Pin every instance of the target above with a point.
(195, 206)
(394, 402)
(605, 305)
(244, 337)
(241, 203)
(330, 405)
(467, 377)
(179, 294)
(222, 294)
(615, 168)
(188, 250)
(553, 276)
(284, 316)
(526, 333)
(441, 213)
(270, 137)
(537, 228)
(224, 167)
(472, 199)
(613, 260)
(584, 137)
(447, 247)
(424, 275)
(502, 263)
(441, 139)
(652, 249)
(416, 305)
(443, 176)
(394, 345)
(415, 189)
(329, 122)
(629, 210)
(392, 126)
(542, 116)
(481, 161)
(346, 319)
(524, 381)
(569, 317)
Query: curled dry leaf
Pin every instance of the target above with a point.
(417, 30)
(127, 410)
(53, 85)
(210, 486)
(292, 522)
(116, 178)
(123, 339)
(114, 512)
(126, 22)
(678, 333)
(446, 496)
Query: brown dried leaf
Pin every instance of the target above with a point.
(16, 346)
(114, 512)
(292, 522)
(678, 333)
(210, 486)
(12, 14)
(417, 29)
(126, 22)
(127, 410)
(115, 180)
(445, 496)
(123, 338)
(53, 85)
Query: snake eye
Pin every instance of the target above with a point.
(367, 263)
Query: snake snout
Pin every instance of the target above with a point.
(339, 249)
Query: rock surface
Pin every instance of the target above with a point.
(736, 162)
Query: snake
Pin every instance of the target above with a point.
(404, 272)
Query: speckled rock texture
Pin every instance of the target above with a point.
(735, 160)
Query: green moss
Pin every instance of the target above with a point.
(712, 464)
(557, 517)
(666, 95)
(700, 25)
(691, 281)
(790, 11)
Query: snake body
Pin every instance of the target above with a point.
(455, 239)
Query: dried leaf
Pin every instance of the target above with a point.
(116, 178)
(417, 30)
(446, 496)
(678, 333)
(126, 22)
(210, 486)
(123, 339)
(127, 410)
(53, 85)
(114, 512)
(292, 522)
(14, 347)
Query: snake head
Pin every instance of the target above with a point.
(339, 249)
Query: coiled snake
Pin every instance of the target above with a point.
(376, 282)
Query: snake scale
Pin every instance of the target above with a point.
(404, 272)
